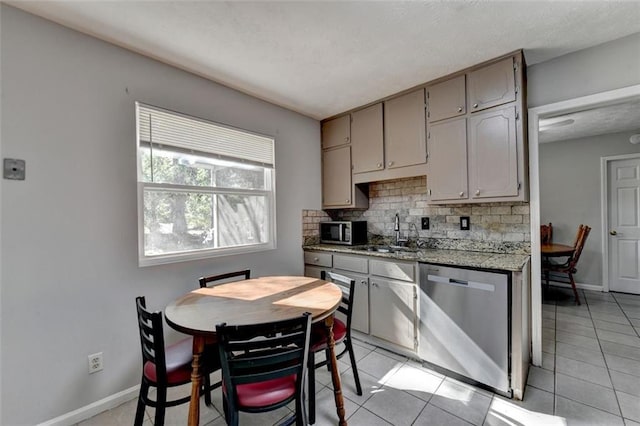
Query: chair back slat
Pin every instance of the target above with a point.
(583, 233)
(227, 277)
(151, 338)
(259, 352)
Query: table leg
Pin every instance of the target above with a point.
(335, 373)
(196, 380)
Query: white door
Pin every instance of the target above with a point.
(624, 225)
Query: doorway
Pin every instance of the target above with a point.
(621, 222)
(535, 114)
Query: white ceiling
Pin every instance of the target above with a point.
(619, 117)
(323, 58)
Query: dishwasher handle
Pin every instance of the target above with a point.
(460, 283)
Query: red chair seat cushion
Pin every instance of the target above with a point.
(178, 358)
(264, 394)
(319, 335)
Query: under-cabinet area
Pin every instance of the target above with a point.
(454, 130)
(402, 305)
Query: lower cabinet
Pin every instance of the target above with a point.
(385, 300)
(394, 306)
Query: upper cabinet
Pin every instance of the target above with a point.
(492, 85)
(338, 189)
(465, 131)
(405, 130)
(336, 132)
(367, 140)
(447, 99)
(478, 151)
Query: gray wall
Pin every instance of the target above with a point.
(69, 237)
(597, 69)
(570, 193)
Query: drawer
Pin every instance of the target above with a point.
(350, 263)
(318, 259)
(398, 271)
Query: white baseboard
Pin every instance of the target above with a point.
(94, 408)
(582, 286)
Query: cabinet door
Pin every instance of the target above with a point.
(446, 99)
(447, 174)
(367, 139)
(336, 132)
(493, 157)
(492, 85)
(360, 314)
(393, 304)
(336, 177)
(404, 130)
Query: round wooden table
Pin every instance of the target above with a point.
(556, 250)
(250, 302)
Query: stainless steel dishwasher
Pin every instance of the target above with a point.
(464, 323)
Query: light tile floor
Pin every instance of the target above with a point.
(590, 376)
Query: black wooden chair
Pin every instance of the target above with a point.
(263, 367)
(211, 355)
(161, 367)
(341, 334)
(204, 281)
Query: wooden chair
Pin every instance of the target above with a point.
(546, 234)
(568, 268)
(263, 367)
(204, 281)
(161, 367)
(341, 333)
(211, 355)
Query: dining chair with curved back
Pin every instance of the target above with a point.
(546, 233)
(162, 367)
(263, 367)
(568, 268)
(341, 333)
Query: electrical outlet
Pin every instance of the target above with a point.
(95, 362)
(425, 222)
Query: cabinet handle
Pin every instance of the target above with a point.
(374, 284)
(347, 200)
(315, 259)
(462, 194)
(459, 109)
(363, 282)
(475, 105)
(390, 163)
(477, 192)
(346, 139)
(379, 165)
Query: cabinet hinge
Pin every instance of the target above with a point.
(429, 191)
(515, 65)
(428, 113)
(519, 185)
(517, 89)
(428, 135)
(517, 116)
(427, 94)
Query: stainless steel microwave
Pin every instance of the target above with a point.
(345, 232)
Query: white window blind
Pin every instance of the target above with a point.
(168, 128)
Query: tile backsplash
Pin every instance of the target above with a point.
(501, 227)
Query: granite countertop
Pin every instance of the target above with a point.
(474, 259)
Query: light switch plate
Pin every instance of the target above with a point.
(464, 223)
(14, 169)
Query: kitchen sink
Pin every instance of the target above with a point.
(387, 249)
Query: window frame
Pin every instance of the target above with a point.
(189, 255)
